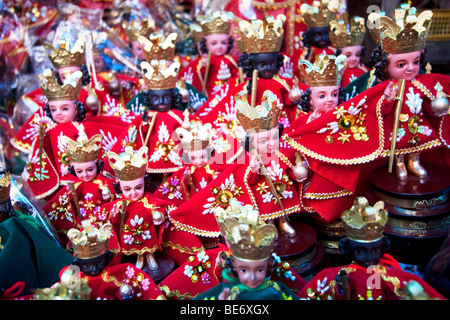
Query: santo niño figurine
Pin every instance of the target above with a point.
(211, 71)
(359, 130)
(267, 176)
(347, 35)
(135, 29)
(249, 267)
(260, 42)
(81, 199)
(106, 281)
(373, 273)
(137, 216)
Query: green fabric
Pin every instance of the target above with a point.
(29, 254)
(268, 290)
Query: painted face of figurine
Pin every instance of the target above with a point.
(324, 99)
(320, 37)
(353, 55)
(92, 267)
(63, 111)
(366, 253)
(133, 190)
(266, 142)
(266, 63)
(99, 63)
(85, 171)
(217, 44)
(136, 49)
(251, 273)
(198, 158)
(65, 72)
(161, 100)
(404, 65)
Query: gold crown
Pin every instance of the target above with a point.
(260, 36)
(135, 29)
(347, 33)
(71, 287)
(158, 76)
(406, 33)
(5, 186)
(250, 238)
(83, 149)
(364, 223)
(70, 90)
(327, 70)
(91, 242)
(64, 56)
(219, 22)
(155, 47)
(320, 13)
(262, 117)
(128, 165)
(198, 137)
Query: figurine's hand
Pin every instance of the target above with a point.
(225, 294)
(158, 218)
(254, 163)
(115, 211)
(390, 92)
(314, 115)
(339, 276)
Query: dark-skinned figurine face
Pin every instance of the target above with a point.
(319, 37)
(364, 254)
(94, 266)
(266, 63)
(160, 100)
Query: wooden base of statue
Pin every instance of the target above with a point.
(418, 212)
(303, 252)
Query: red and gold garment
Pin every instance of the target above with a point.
(129, 86)
(178, 188)
(359, 132)
(384, 281)
(221, 69)
(46, 179)
(238, 181)
(62, 210)
(107, 285)
(351, 74)
(138, 234)
(162, 142)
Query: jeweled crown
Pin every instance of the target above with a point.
(260, 36)
(158, 76)
(128, 165)
(90, 242)
(65, 289)
(156, 47)
(70, 90)
(218, 22)
(134, 29)
(261, 117)
(363, 222)
(64, 56)
(83, 149)
(347, 32)
(5, 186)
(249, 237)
(406, 33)
(198, 137)
(327, 70)
(320, 13)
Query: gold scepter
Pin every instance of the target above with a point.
(241, 74)
(269, 180)
(187, 174)
(254, 87)
(208, 63)
(398, 107)
(122, 214)
(152, 123)
(41, 146)
(74, 196)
